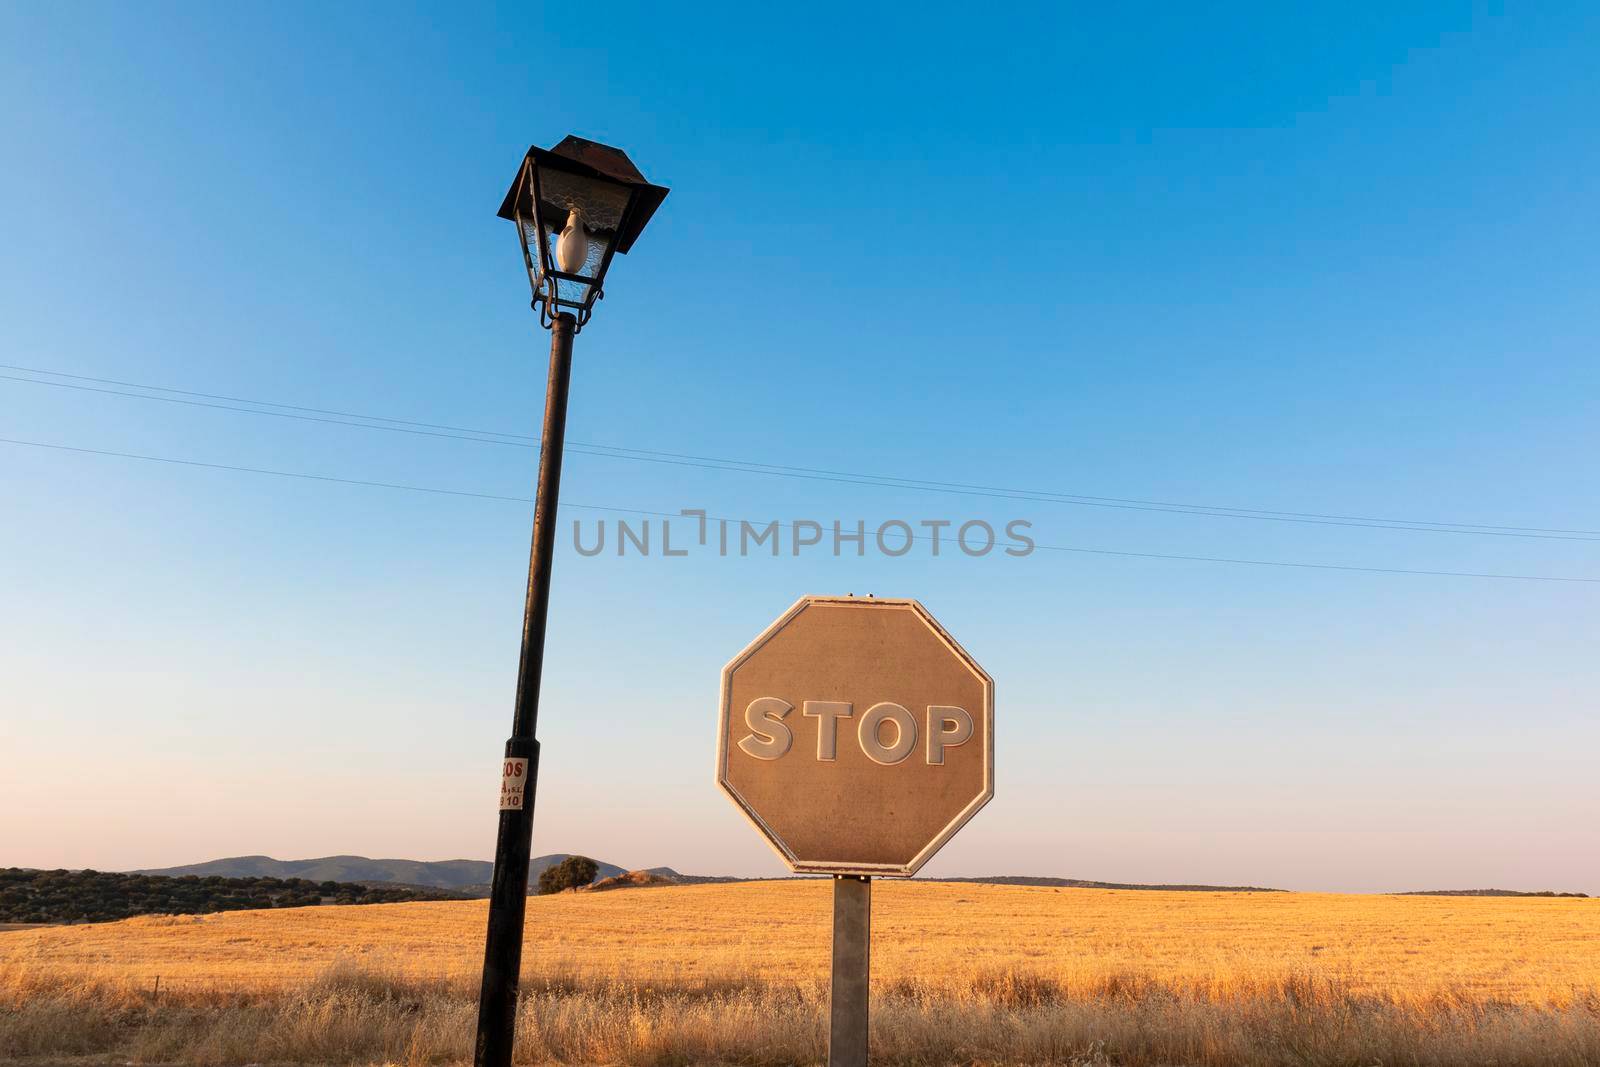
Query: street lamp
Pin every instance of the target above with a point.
(575, 206)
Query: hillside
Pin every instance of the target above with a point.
(471, 876)
(1079, 883)
(1488, 893)
(28, 896)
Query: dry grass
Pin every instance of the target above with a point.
(962, 974)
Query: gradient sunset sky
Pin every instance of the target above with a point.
(1338, 262)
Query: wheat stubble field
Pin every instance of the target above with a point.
(736, 974)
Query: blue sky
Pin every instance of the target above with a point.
(1337, 261)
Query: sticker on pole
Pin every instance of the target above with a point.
(513, 783)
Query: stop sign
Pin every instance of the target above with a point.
(856, 735)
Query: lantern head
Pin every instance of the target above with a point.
(575, 206)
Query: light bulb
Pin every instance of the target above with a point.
(572, 250)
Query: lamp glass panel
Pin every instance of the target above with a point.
(530, 234)
(601, 203)
(578, 292)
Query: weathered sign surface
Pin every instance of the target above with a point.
(857, 735)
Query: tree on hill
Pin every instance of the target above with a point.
(570, 873)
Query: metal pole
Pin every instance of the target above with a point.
(852, 955)
(508, 896)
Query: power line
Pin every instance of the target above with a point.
(259, 403)
(1217, 511)
(264, 470)
(1023, 495)
(336, 417)
(275, 414)
(784, 525)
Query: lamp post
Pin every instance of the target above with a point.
(574, 206)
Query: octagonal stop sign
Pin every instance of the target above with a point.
(856, 735)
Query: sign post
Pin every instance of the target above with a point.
(852, 971)
(857, 737)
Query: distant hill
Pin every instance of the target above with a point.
(442, 874)
(631, 880)
(1486, 893)
(1078, 883)
(655, 876)
(469, 877)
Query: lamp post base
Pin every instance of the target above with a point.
(508, 906)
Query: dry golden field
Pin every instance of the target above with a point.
(735, 973)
